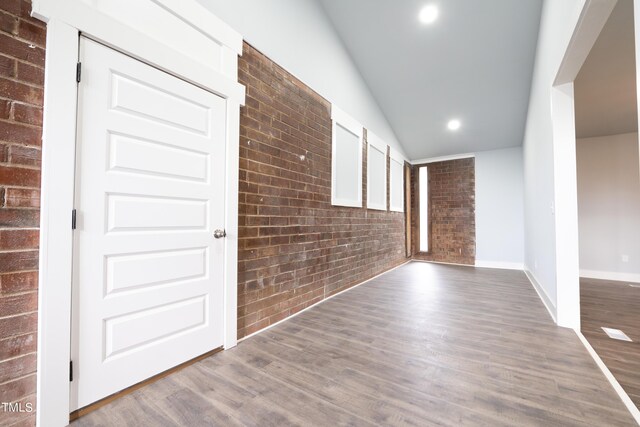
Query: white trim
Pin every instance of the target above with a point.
(342, 119)
(375, 143)
(65, 21)
(426, 261)
(123, 38)
(321, 301)
(120, 23)
(201, 18)
(590, 19)
(58, 177)
(565, 207)
(346, 121)
(500, 265)
(610, 275)
(542, 294)
(231, 225)
(633, 409)
(442, 158)
(396, 155)
(593, 17)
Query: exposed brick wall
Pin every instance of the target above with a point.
(295, 249)
(452, 210)
(22, 51)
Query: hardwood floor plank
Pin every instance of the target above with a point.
(425, 344)
(444, 378)
(614, 305)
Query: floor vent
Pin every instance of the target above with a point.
(616, 334)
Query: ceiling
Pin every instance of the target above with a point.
(474, 63)
(605, 89)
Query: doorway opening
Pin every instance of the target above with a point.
(608, 193)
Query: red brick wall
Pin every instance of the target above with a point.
(295, 249)
(22, 43)
(452, 210)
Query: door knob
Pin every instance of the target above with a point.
(219, 234)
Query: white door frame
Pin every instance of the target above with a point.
(212, 66)
(592, 18)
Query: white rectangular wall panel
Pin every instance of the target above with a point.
(376, 173)
(346, 160)
(396, 181)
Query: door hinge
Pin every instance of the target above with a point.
(73, 219)
(78, 71)
(70, 370)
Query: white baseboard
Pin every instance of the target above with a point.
(441, 262)
(610, 275)
(500, 265)
(635, 413)
(551, 308)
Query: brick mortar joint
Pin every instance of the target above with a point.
(16, 36)
(30, 374)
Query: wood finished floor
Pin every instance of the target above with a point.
(425, 344)
(614, 305)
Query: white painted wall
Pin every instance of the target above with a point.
(500, 208)
(298, 35)
(609, 206)
(558, 21)
(636, 28)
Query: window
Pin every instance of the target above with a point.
(423, 210)
(396, 181)
(376, 173)
(346, 160)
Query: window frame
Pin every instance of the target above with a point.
(417, 195)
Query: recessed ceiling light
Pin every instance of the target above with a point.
(454, 124)
(428, 14)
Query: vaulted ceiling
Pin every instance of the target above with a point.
(474, 64)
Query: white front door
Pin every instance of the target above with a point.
(150, 180)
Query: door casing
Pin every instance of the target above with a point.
(65, 21)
